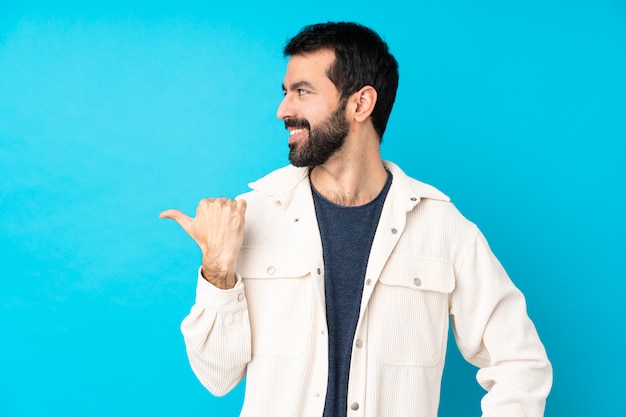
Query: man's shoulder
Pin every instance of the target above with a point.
(414, 187)
(433, 204)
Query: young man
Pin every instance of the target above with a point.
(331, 284)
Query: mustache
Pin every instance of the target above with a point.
(297, 123)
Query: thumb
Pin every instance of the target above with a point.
(179, 217)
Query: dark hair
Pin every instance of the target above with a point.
(361, 58)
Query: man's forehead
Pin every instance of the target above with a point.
(308, 67)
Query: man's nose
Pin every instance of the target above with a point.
(285, 109)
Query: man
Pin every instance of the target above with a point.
(331, 284)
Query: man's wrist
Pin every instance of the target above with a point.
(221, 280)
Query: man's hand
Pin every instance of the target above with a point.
(218, 231)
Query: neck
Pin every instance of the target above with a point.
(354, 176)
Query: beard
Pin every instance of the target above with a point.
(323, 141)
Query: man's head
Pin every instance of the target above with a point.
(361, 58)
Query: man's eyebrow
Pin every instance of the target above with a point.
(299, 84)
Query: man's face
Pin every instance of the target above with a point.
(312, 110)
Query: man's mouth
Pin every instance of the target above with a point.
(296, 131)
(296, 134)
(297, 128)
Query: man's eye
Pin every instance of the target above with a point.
(302, 92)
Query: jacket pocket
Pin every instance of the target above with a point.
(280, 294)
(409, 317)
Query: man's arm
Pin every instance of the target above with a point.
(493, 331)
(217, 329)
(217, 336)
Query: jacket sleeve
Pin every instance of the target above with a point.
(217, 336)
(493, 332)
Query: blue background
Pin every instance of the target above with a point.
(111, 113)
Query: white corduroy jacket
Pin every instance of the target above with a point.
(428, 267)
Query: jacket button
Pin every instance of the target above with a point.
(354, 406)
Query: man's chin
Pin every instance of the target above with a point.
(295, 156)
(298, 163)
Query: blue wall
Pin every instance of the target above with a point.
(109, 114)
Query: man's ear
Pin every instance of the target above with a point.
(364, 100)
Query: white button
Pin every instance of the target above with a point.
(417, 282)
(359, 343)
(368, 282)
(271, 270)
(394, 230)
(323, 332)
(240, 297)
(354, 406)
(317, 394)
(319, 271)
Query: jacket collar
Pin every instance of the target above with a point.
(281, 183)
